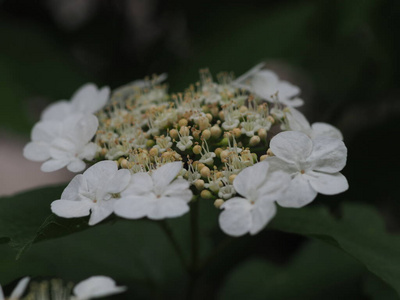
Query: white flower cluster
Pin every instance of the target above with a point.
(239, 142)
(93, 287)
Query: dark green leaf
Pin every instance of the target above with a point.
(360, 233)
(317, 272)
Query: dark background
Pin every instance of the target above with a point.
(343, 54)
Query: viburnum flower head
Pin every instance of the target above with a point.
(260, 187)
(94, 192)
(156, 196)
(313, 165)
(87, 100)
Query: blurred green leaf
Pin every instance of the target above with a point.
(360, 233)
(33, 64)
(317, 272)
(376, 289)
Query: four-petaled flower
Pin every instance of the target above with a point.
(95, 191)
(156, 196)
(260, 188)
(314, 166)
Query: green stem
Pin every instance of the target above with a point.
(194, 234)
(170, 235)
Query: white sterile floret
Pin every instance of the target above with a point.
(266, 85)
(18, 290)
(296, 121)
(73, 145)
(260, 188)
(314, 166)
(156, 196)
(95, 191)
(96, 287)
(87, 99)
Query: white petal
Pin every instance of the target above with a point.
(80, 128)
(261, 213)
(251, 178)
(73, 189)
(140, 183)
(325, 130)
(71, 209)
(134, 207)
(53, 165)
(168, 207)
(291, 146)
(241, 81)
(88, 151)
(1, 294)
(287, 90)
(299, 193)
(76, 166)
(236, 219)
(179, 188)
(295, 102)
(62, 149)
(100, 173)
(119, 181)
(328, 184)
(297, 121)
(275, 184)
(37, 151)
(97, 286)
(84, 98)
(20, 288)
(46, 131)
(163, 176)
(57, 111)
(277, 164)
(328, 155)
(101, 211)
(265, 84)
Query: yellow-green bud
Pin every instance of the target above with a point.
(218, 203)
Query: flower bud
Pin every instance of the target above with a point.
(206, 194)
(218, 151)
(262, 157)
(183, 122)
(254, 141)
(205, 172)
(150, 143)
(184, 131)
(221, 115)
(214, 111)
(206, 134)
(218, 203)
(209, 117)
(271, 119)
(262, 133)
(232, 178)
(197, 149)
(237, 132)
(174, 133)
(199, 184)
(203, 123)
(269, 152)
(216, 131)
(153, 151)
(124, 163)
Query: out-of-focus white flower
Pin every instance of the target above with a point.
(96, 287)
(95, 191)
(18, 290)
(314, 166)
(296, 121)
(156, 196)
(73, 144)
(87, 100)
(266, 85)
(260, 188)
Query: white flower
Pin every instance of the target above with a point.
(95, 191)
(87, 100)
(298, 122)
(314, 166)
(18, 290)
(96, 287)
(266, 85)
(156, 196)
(260, 188)
(73, 145)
